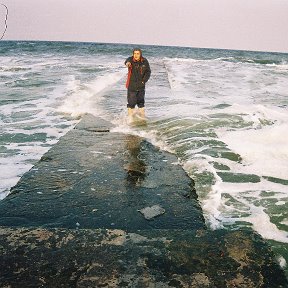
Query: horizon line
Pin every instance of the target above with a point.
(141, 44)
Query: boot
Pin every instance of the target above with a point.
(142, 112)
(130, 112)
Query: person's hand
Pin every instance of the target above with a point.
(128, 64)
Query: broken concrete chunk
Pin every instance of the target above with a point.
(152, 212)
(93, 124)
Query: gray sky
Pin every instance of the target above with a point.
(231, 24)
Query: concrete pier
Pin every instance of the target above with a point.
(104, 209)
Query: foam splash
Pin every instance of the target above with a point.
(262, 224)
(123, 125)
(282, 262)
(264, 151)
(84, 98)
(210, 196)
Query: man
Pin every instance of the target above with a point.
(138, 74)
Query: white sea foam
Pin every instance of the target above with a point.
(282, 262)
(264, 151)
(123, 125)
(211, 201)
(25, 120)
(257, 132)
(262, 224)
(84, 98)
(219, 80)
(255, 188)
(12, 168)
(218, 212)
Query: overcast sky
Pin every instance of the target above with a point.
(231, 24)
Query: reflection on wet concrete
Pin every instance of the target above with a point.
(136, 166)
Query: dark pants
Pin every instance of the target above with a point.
(135, 98)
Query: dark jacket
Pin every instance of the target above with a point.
(139, 74)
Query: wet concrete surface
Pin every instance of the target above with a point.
(76, 220)
(102, 180)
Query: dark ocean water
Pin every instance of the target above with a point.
(223, 113)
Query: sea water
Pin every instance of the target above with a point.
(223, 113)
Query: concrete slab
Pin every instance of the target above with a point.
(97, 179)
